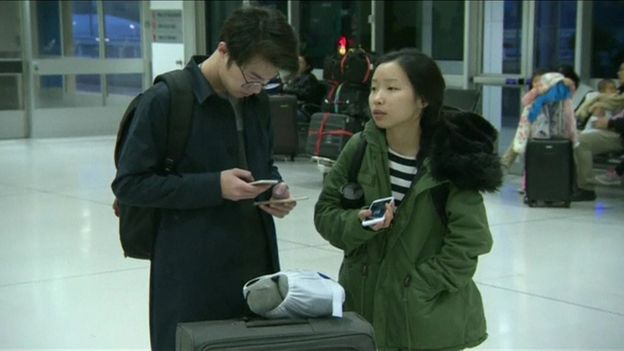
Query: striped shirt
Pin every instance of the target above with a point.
(402, 171)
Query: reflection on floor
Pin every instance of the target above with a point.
(555, 277)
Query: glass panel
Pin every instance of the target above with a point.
(122, 29)
(74, 91)
(555, 30)
(10, 37)
(216, 13)
(502, 36)
(403, 25)
(448, 30)
(85, 34)
(607, 38)
(10, 91)
(324, 22)
(124, 84)
(280, 5)
(48, 29)
(503, 103)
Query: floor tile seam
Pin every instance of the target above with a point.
(598, 309)
(540, 220)
(68, 196)
(71, 277)
(304, 246)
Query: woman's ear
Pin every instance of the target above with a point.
(423, 103)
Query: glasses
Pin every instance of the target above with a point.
(254, 85)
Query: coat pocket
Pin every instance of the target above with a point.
(434, 323)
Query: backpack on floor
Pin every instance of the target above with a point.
(138, 225)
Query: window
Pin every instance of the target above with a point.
(448, 31)
(324, 22)
(403, 25)
(607, 38)
(84, 28)
(122, 29)
(216, 13)
(555, 31)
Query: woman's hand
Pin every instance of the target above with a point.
(388, 217)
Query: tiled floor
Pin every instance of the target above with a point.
(555, 277)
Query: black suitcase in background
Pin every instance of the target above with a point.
(329, 132)
(351, 332)
(549, 172)
(284, 120)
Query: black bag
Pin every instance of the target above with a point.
(331, 68)
(356, 66)
(284, 121)
(549, 172)
(329, 132)
(351, 332)
(138, 225)
(349, 99)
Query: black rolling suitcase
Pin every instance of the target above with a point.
(329, 132)
(284, 121)
(351, 332)
(549, 172)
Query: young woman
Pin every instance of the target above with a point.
(411, 274)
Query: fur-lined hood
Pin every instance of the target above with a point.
(463, 151)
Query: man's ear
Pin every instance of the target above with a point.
(222, 47)
(224, 53)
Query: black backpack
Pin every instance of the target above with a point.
(138, 225)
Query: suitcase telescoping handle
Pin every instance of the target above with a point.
(263, 323)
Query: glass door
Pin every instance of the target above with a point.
(88, 62)
(504, 66)
(12, 107)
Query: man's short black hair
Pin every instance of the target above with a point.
(253, 31)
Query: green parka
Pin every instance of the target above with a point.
(413, 280)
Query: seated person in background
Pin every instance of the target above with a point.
(605, 87)
(605, 137)
(534, 121)
(305, 86)
(613, 176)
(580, 89)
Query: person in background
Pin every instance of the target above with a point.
(411, 275)
(509, 156)
(607, 86)
(604, 136)
(211, 238)
(615, 175)
(580, 89)
(306, 87)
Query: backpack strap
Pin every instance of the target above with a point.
(439, 195)
(180, 115)
(356, 161)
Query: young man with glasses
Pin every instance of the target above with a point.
(211, 238)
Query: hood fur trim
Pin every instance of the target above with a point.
(463, 152)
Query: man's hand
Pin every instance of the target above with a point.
(280, 191)
(235, 185)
